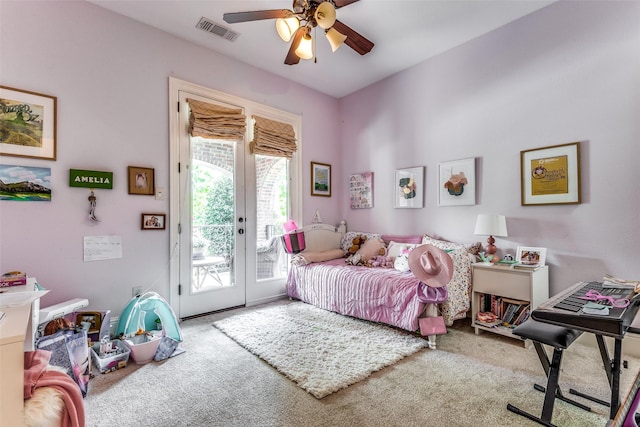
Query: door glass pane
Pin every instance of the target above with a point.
(213, 213)
(272, 201)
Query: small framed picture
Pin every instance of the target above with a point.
(153, 221)
(320, 179)
(409, 188)
(141, 180)
(89, 321)
(531, 256)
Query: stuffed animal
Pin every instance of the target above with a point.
(381, 261)
(369, 249)
(356, 243)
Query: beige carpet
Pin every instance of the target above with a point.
(467, 381)
(320, 351)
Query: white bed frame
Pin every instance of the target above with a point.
(322, 237)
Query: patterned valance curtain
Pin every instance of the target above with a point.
(215, 121)
(272, 138)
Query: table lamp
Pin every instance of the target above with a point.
(491, 225)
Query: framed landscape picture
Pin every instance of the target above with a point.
(320, 179)
(27, 124)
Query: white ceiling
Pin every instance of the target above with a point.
(405, 32)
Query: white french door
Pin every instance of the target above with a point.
(226, 207)
(212, 219)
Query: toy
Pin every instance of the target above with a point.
(381, 261)
(366, 251)
(357, 242)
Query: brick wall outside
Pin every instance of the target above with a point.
(269, 170)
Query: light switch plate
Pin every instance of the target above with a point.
(160, 193)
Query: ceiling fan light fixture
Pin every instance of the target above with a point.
(325, 15)
(305, 48)
(287, 27)
(335, 38)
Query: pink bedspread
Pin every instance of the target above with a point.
(377, 294)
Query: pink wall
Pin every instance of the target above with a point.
(570, 72)
(110, 75)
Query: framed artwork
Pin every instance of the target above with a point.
(320, 179)
(153, 221)
(531, 256)
(25, 183)
(27, 124)
(361, 190)
(409, 188)
(457, 182)
(550, 175)
(141, 180)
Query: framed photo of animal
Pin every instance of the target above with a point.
(457, 182)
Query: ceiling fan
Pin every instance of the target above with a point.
(297, 24)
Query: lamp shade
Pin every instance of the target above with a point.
(491, 225)
(286, 27)
(325, 15)
(335, 38)
(305, 48)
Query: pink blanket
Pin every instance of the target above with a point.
(36, 375)
(377, 294)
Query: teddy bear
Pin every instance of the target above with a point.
(356, 243)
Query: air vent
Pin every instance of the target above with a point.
(206, 24)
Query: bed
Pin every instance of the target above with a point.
(381, 293)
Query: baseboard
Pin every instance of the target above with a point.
(630, 344)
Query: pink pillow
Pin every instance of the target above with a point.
(370, 248)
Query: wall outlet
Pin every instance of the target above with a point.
(136, 291)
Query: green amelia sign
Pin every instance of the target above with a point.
(90, 179)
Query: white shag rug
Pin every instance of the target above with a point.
(319, 350)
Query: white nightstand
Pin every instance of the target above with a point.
(504, 284)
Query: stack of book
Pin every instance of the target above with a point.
(487, 319)
(496, 310)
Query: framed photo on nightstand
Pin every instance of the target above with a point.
(531, 256)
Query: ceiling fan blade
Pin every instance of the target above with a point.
(292, 58)
(343, 3)
(354, 40)
(256, 15)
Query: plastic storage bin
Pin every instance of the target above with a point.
(142, 347)
(110, 363)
